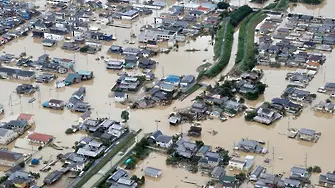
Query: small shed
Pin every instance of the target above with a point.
(152, 172)
(35, 161)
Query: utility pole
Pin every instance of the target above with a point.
(273, 159)
(306, 160)
(157, 121)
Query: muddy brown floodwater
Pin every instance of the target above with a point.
(55, 123)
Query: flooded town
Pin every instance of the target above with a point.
(126, 94)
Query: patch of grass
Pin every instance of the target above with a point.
(228, 44)
(241, 39)
(250, 56)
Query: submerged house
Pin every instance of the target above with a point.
(286, 104)
(250, 146)
(185, 148)
(307, 134)
(266, 116)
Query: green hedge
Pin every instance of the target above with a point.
(228, 43)
(250, 56)
(241, 39)
(239, 14)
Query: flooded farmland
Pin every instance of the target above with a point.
(292, 152)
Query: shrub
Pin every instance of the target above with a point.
(69, 131)
(316, 169)
(222, 5)
(250, 115)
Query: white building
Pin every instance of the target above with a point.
(164, 141)
(6, 136)
(236, 163)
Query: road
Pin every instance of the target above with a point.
(78, 179)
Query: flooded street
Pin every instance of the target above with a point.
(293, 152)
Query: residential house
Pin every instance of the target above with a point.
(256, 173)
(72, 78)
(307, 134)
(330, 86)
(250, 146)
(54, 104)
(120, 97)
(116, 130)
(130, 61)
(127, 83)
(13, 73)
(115, 49)
(210, 160)
(217, 173)
(236, 163)
(266, 116)
(85, 75)
(268, 180)
(185, 148)
(199, 107)
(54, 67)
(297, 94)
(187, 80)
(40, 138)
(152, 138)
(147, 63)
(26, 117)
(125, 182)
(227, 182)
(6, 136)
(114, 65)
(172, 79)
(286, 104)
(92, 149)
(299, 173)
(292, 183)
(233, 106)
(152, 172)
(9, 158)
(52, 177)
(327, 180)
(17, 125)
(19, 178)
(120, 173)
(25, 89)
(131, 51)
(164, 141)
(203, 150)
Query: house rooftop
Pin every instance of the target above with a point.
(39, 137)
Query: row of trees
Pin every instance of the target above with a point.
(239, 14)
(312, 2)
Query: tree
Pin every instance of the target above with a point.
(22, 164)
(69, 131)
(241, 100)
(199, 143)
(250, 115)
(222, 5)
(241, 176)
(316, 169)
(261, 87)
(125, 115)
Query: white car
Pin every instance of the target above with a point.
(322, 90)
